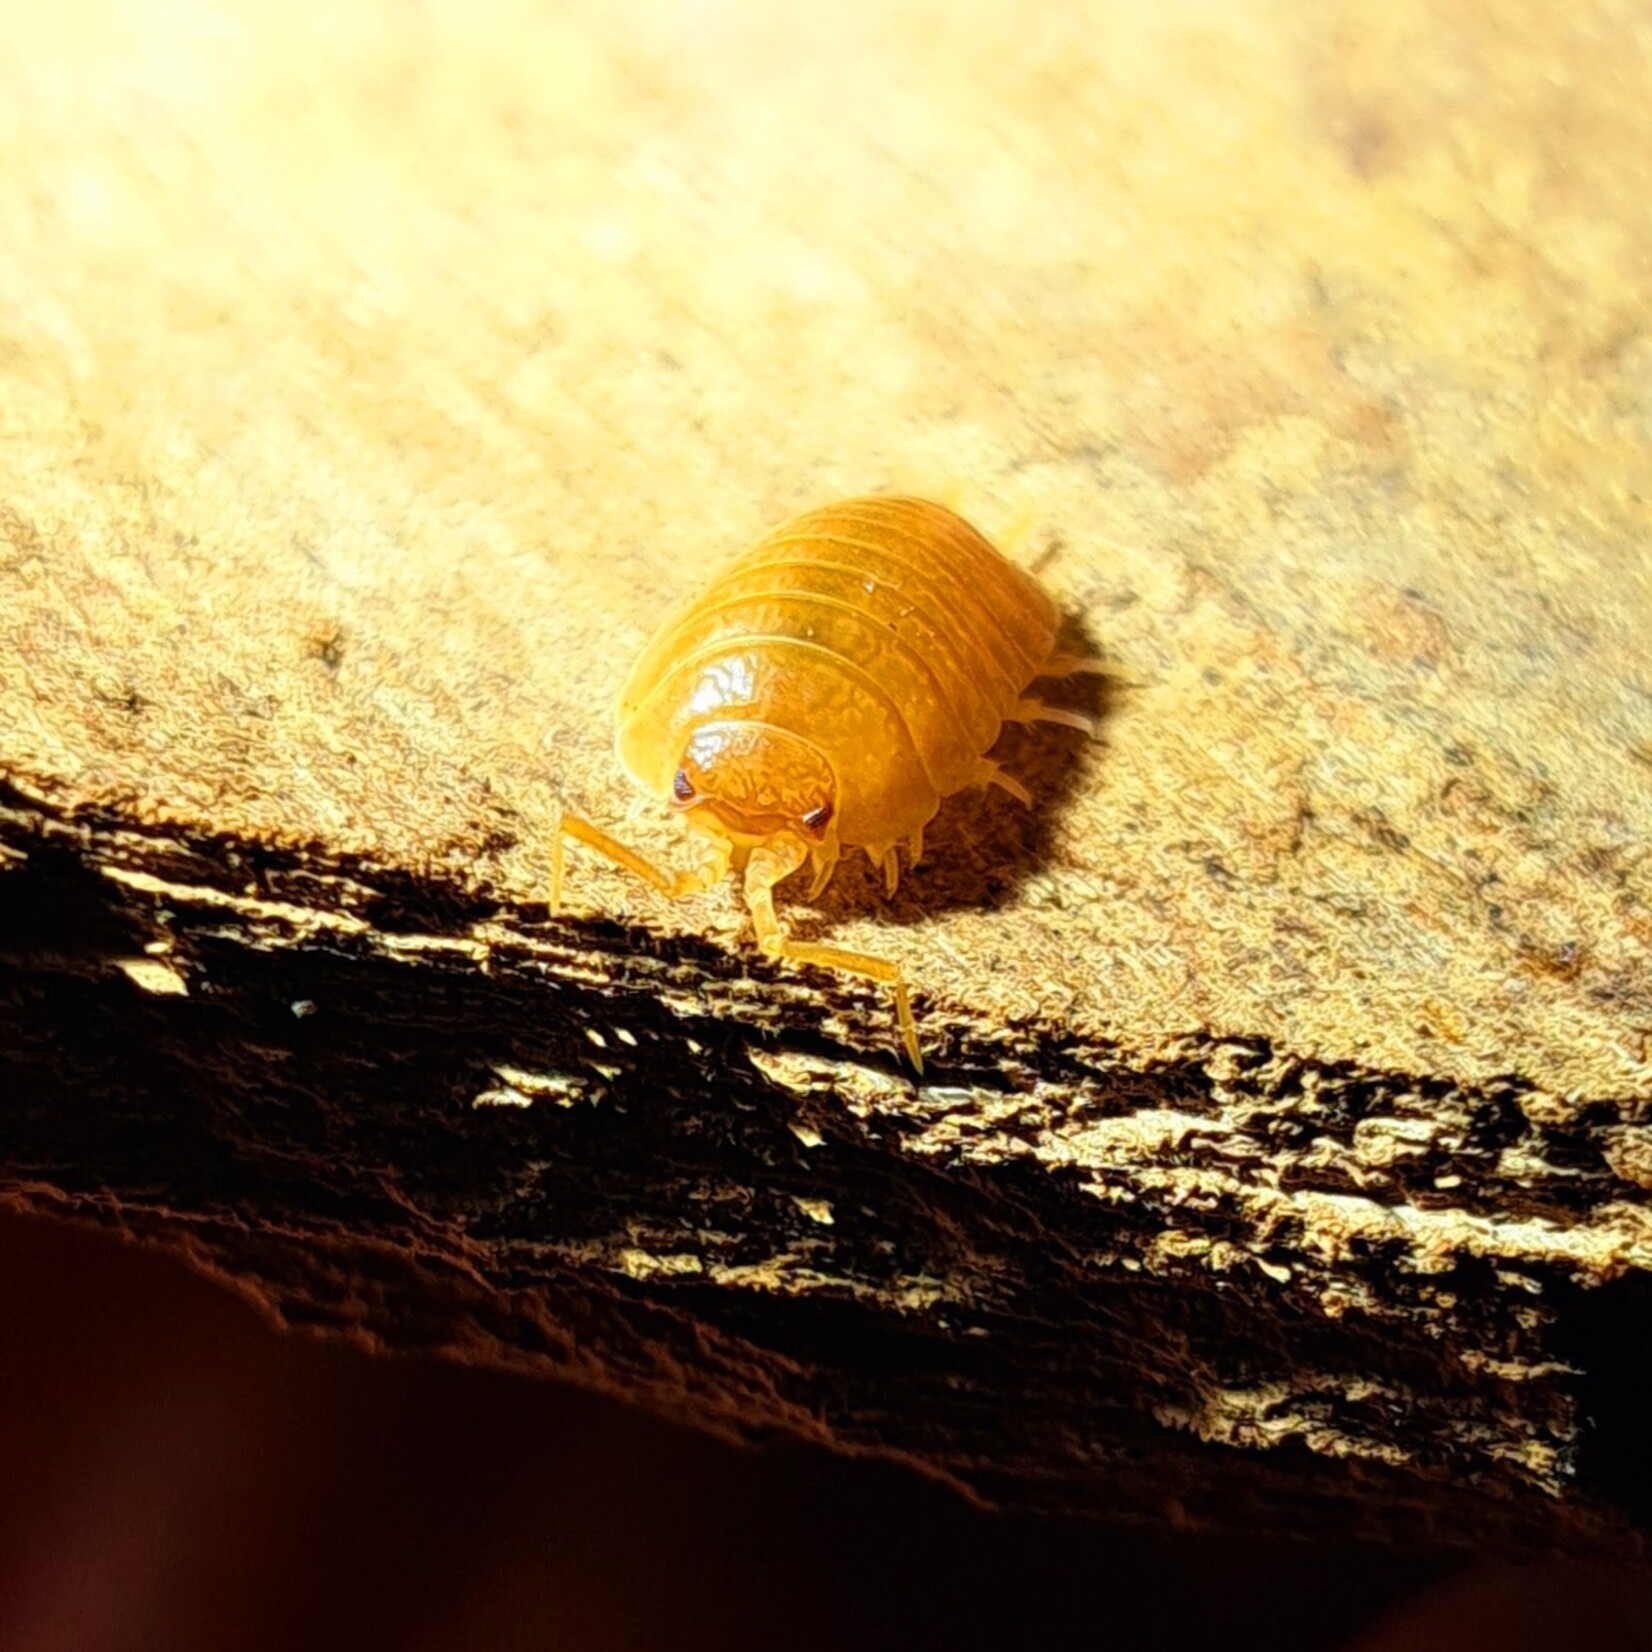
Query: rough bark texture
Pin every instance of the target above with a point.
(369, 385)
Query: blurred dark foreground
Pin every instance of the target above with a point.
(176, 1474)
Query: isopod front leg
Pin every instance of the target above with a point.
(778, 859)
(673, 885)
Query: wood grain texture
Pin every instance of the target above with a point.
(372, 381)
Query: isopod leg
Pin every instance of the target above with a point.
(892, 872)
(824, 861)
(674, 885)
(989, 773)
(1035, 711)
(887, 859)
(768, 865)
(873, 968)
(1077, 665)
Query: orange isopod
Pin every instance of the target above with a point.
(826, 691)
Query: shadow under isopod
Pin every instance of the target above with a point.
(983, 845)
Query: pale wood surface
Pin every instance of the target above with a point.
(371, 379)
(467, 345)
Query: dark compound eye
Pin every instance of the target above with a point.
(818, 819)
(682, 787)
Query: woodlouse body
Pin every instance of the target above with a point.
(884, 641)
(827, 690)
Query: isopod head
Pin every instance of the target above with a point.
(749, 782)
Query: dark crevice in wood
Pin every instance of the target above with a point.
(665, 1218)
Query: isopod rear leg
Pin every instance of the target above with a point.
(1077, 665)
(1035, 711)
(673, 885)
(769, 864)
(989, 773)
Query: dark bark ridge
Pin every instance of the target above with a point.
(1219, 1285)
